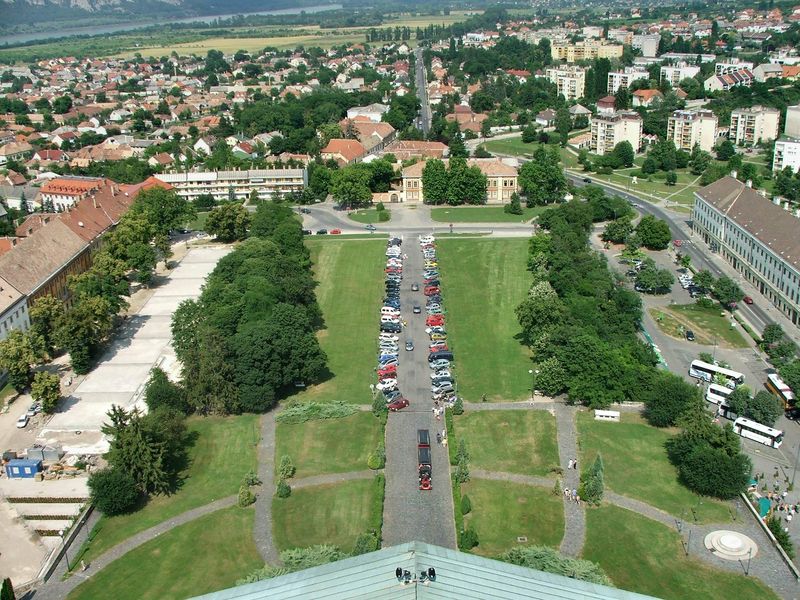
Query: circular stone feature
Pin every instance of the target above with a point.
(730, 545)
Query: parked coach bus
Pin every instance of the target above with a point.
(707, 372)
(777, 387)
(758, 432)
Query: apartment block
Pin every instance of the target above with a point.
(689, 127)
(608, 130)
(570, 81)
(786, 154)
(757, 237)
(754, 124)
(624, 78)
(792, 126)
(674, 74)
(238, 185)
(586, 50)
(648, 44)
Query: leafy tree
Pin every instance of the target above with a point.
(784, 539)
(466, 505)
(365, 543)
(267, 218)
(666, 398)
(468, 539)
(654, 280)
(208, 375)
(739, 399)
(699, 161)
(563, 124)
(725, 150)
(62, 104)
(434, 182)
(551, 379)
(624, 153)
(7, 590)
(540, 311)
(350, 187)
(704, 280)
(46, 389)
(773, 333)
(617, 231)
(465, 184)
(82, 329)
(542, 179)
(653, 233)
(113, 491)
(727, 291)
(17, 354)
(713, 472)
(246, 497)
(458, 148)
(283, 490)
(45, 314)
(204, 202)
(790, 373)
(764, 408)
(671, 178)
(286, 469)
(529, 134)
(161, 392)
(513, 207)
(592, 484)
(165, 211)
(228, 223)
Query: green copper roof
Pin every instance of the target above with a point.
(459, 576)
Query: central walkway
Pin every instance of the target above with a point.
(410, 514)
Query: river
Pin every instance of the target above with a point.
(17, 38)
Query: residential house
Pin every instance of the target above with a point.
(50, 156)
(17, 151)
(64, 192)
(646, 98)
(466, 119)
(160, 160)
(343, 151)
(546, 118)
(374, 111)
(731, 79)
(606, 105)
(373, 136)
(205, 145)
(409, 149)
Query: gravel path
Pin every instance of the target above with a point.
(644, 509)
(56, 589)
(574, 516)
(262, 528)
(331, 478)
(513, 477)
(538, 404)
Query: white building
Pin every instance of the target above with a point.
(570, 81)
(734, 64)
(225, 185)
(754, 124)
(624, 78)
(758, 238)
(608, 130)
(689, 127)
(648, 44)
(792, 126)
(374, 112)
(786, 154)
(13, 309)
(674, 74)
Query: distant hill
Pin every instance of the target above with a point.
(33, 14)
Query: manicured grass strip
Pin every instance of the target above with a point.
(712, 322)
(329, 445)
(370, 215)
(482, 214)
(514, 146)
(350, 276)
(636, 465)
(503, 511)
(223, 452)
(512, 441)
(325, 514)
(645, 556)
(482, 283)
(202, 556)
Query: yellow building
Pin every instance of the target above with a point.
(501, 180)
(586, 50)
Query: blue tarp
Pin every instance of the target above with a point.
(763, 506)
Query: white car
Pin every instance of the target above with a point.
(22, 422)
(426, 239)
(442, 373)
(437, 329)
(387, 319)
(389, 337)
(386, 385)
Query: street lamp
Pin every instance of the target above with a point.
(533, 375)
(62, 533)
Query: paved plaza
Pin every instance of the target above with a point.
(141, 343)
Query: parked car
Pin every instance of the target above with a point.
(438, 388)
(441, 373)
(322, 231)
(438, 337)
(22, 422)
(306, 232)
(34, 409)
(305, 211)
(392, 395)
(435, 329)
(387, 385)
(690, 335)
(398, 404)
(440, 355)
(417, 309)
(409, 345)
(439, 364)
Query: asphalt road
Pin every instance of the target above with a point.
(422, 93)
(410, 513)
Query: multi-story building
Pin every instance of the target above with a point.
(731, 79)
(648, 44)
(689, 127)
(792, 126)
(758, 238)
(501, 180)
(734, 64)
(786, 154)
(65, 192)
(754, 124)
(624, 78)
(674, 74)
(608, 130)
(586, 50)
(237, 185)
(13, 309)
(570, 81)
(621, 36)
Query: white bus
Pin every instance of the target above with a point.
(777, 387)
(758, 432)
(717, 393)
(707, 372)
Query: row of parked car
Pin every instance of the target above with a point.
(390, 328)
(439, 357)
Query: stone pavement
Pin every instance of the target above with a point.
(262, 528)
(574, 516)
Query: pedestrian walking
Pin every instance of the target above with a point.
(574, 493)
(575, 464)
(578, 500)
(566, 492)
(569, 465)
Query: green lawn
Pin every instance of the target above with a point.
(503, 511)
(202, 556)
(514, 441)
(482, 283)
(636, 465)
(681, 193)
(199, 222)
(645, 556)
(328, 445)
(482, 214)
(712, 323)
(370, 215)
(325, 514)
(224, 451)
(514, 146)
(350, 276)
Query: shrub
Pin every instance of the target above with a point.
(548, 560)
(458, 406)
(311, 411)
(376, 522)
(380, 207)
(592, 485)
(265, 572)
(383, 216)
(365, 542)
(297, 559)
(286, 469)
(462, 455)
(283, 490)
(251, 478)
(113, 491)
(7, 591)
(246, 497)
(376, 460)
(379, 407)
(468, 539)
(466, 505)
(775, 526)
(462, 472)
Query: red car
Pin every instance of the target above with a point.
(748, 300)
(434, 321)
(398, 404)
(439, 347)
(336, 231)
(431, 291)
